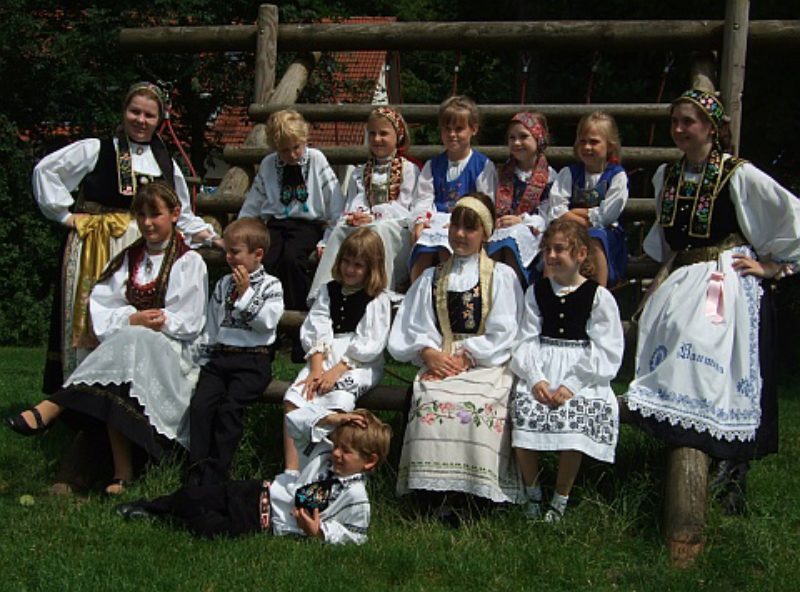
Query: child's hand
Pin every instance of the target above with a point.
(541, 392)
(440, 365)
(309, 523)
(359, 218)
(509, 220)
(311, 383)
(241, 277)
(561, 395)
(748, 266)
(419, 227)
(579, 215)
(337, 419)
(152, 318)
(329, 379)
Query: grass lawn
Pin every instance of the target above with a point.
(610, 539)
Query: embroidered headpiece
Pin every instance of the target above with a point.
(534, 126)
(158, 93)
(397, 121)
(709, 103)
(476, 205)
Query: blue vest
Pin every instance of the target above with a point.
(590, 198)
(446, 193)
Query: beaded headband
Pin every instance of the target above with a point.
(708, 103)
(477, 206)
(534, 126)
(156, 91)
(396, 120)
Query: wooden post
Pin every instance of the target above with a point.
(266, 52)
(734, 56)
(685, 503)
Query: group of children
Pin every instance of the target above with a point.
(507, 315)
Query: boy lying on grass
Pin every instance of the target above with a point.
(326, 499)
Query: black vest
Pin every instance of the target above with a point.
(565, 317)
(346, 311)
(463, 308)
(723, 223)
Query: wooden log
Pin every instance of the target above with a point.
(266, 52)
(563, 35)
(557, 155)
(734, 56)
(685, 503)
(489, 113)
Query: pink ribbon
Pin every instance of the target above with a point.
(715, 307)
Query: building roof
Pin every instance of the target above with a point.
(355, 80)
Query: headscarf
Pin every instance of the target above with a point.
(540, 176)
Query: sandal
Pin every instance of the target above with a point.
(116, 487)
(19, 425)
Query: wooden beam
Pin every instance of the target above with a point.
(266, 52)
(734, 57)
(545, 35)
(557, 155)
(493, 113)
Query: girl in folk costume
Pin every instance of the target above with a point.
(704, 363)
(593, 193)
(458, 322)
(147, 310)
(297, 193)
(344, 334)
(570, 348)
(457, 171)
(523, 184)
(379, 196)
(107, 173)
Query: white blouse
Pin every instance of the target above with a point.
(601, 360)
(369, 339)
(485, 183)
(325, 201)
(184, 302)
(400, 208)
(415, 328)
(254, 319)
(60, 173)
(600, 216)
(768, 215)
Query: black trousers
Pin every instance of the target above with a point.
(228, 383)
(291, 243)
(226, 509)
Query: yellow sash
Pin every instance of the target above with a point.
(96, 231)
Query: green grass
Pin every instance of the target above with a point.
(611, 539)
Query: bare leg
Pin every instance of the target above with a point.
(291, 458)
(569, 462)
(47, 409)
(528, 462)
(123, 460)
(597, 257)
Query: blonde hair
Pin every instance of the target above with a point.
(286, 125)
(459, 108)
(607, 126)
(374, 439)
(395, 118)
(251, 231)
(364, 244)
(576, 235)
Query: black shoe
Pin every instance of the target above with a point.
(133, 512)
(19, 425)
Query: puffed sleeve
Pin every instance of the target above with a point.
(372, 333)
(526, 359)
(189, 223)
(414, 326)
(185, 300)
(425, 195)
(316, 333)
(261, 309)
(109, 309)
(606, 345)
(558, 203)
(493, 348)
(487, 180)
(768, 214)
(613, 203)
(58, 174)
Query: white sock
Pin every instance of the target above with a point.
(559, 502)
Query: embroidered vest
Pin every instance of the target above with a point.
(346, 311)
(565, 317)
(446, 193)
(590, 198)
(152, 294)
